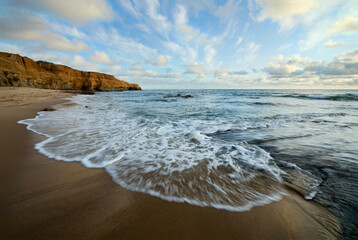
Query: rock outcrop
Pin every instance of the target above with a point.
(19, 71)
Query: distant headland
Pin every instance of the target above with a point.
(19, 71)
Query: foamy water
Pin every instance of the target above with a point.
(229, 149)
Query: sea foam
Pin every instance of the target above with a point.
(175, 160)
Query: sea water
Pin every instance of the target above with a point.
(228, 149)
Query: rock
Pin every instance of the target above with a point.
(178, 95)
(19, 71)
(48, 109)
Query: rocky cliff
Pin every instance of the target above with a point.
(16, 70)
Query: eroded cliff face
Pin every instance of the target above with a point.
(19, 71)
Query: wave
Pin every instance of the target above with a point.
(173, 160)
(338, 97)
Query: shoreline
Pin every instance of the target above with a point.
(41, 198)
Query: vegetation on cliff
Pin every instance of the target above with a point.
(19, 71)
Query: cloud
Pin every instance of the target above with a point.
(221, 72)
(17, 25)
(147, 13)
(210, 53)
(150, 74)
(345, 26)
(198, 5)
(5, 47)
(130, 7)
(228, 11)
(341, 71)
(181, 21)
(248, 52)
(60, 43)
(239, 40)
(66, 30)
(342, 65)
(125, 48)
(283, 11)
(79, 11)
(280, 70)
(160, 22)
(239, 73)
(331, 44)
(136, 68)
(195, 68)
(161, 60)
(101, 57)
(191, 55)
(22, 26)
(82, 64)
(203, 41)
(112, 69)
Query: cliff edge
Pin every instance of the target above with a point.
(19, 71)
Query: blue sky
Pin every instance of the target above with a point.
(192, 43)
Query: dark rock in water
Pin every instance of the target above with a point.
(48, 109)
(178, 96)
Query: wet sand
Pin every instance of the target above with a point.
(41, 198)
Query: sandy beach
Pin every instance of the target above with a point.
(41, 198)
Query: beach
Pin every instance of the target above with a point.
(41, 198)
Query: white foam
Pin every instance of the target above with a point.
(170, 159)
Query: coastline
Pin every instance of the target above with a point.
(41, 198)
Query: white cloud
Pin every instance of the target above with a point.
(136, 68)
(17, 25)
(187, 31)
(239, 40)
(79, 11)
(191, 55)
(125, 48)
(112, 69)
(284, 11)
(221, 72)
(82, 64)
(66, 30)
(5, 47)
(160, 22)
(198, 5)
(150, 75)
(181, 21)
(248, 52)
(161, 60)
(180, 15)
(203, 41)
(131, 8)
(174, 47)
(101, 57)
(228, 11)
(195, 68)
(331, 44)
(210, 53)
(22, 26)
(279, 70)
(341, 71)
(279, 58)
(347, 25)
(60, 43)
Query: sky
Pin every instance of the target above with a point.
(189, 44)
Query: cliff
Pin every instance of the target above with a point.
(19, 71)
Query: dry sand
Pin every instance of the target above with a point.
(41, 198)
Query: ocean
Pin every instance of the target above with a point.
(228, 149)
